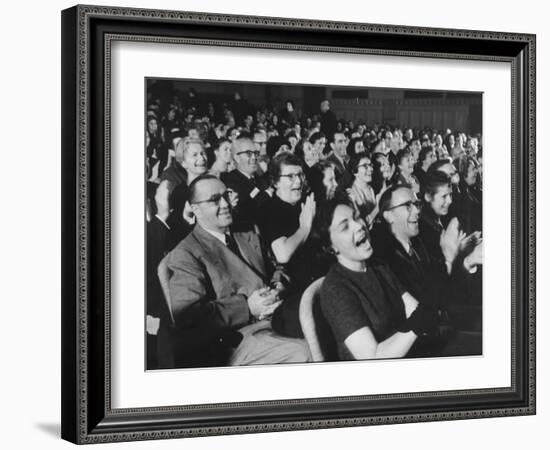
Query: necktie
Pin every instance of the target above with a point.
(232, 244)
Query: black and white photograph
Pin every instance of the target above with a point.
(291, 224)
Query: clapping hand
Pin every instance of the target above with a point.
(475, 258)
(263, 302)
(450, 240)
(308, 213)
(469, 242)
(161, 199)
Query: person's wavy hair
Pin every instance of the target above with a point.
(276, 164)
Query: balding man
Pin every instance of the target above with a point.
(218, 289)
(243, 180)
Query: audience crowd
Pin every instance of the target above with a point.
(251, 210)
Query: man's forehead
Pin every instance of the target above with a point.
(210, 186)
(402, 195)
(244, 145)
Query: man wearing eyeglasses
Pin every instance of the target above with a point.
(218, 285)
(396, 241)
(244, 181)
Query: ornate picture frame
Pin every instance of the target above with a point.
(88, 415)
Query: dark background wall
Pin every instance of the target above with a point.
(398, 107)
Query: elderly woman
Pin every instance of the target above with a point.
(286, 230)
(369, 313)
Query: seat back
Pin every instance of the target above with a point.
(164, 275)
(307, 319)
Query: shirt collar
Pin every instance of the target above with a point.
(219, 236)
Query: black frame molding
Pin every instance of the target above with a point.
(87, 33)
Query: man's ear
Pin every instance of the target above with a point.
(387, 216)
(194, 209)
(332, 145)
(427, 197)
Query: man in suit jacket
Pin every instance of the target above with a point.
(218, 282)
(243, 180)
(339, 155)
(396, 242)
(437, 279)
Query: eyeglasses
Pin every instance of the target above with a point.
(216, 198)
(249, 153)
(294, 176)
(416, 203)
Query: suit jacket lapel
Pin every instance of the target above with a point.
(219, 251)
(251, 251)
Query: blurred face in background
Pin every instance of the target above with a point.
(441, 200)
(319, 146)
(364, 170)
(223, 153)
(329, 181)
(406, 165)
(451, 171)
(311, 155)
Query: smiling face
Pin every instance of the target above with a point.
(311, 155)
(339, 145)
(319, 145)
(211, 206)
(349, 237)
(290, 184)
(152, 126)
(471, 175)
(245, 156)
(223, 153)
(450, 170)
(406, 165)
(429, 159)
(194, 159)
(441, 200)
(385, 168)
(403, 214)
(329, 181)
(364, 170)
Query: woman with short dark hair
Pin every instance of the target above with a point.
(369, 312)
(286, 229)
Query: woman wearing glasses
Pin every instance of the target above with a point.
(285, 227)
(361, 192)
(369, 312)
